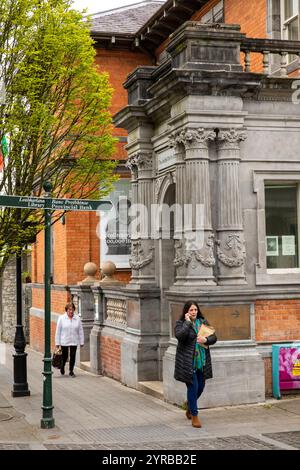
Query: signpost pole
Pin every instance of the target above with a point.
(47, 420)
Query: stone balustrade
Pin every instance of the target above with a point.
(266, 47)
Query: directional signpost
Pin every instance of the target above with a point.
(49, 204)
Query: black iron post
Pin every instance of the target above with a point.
(20, 386)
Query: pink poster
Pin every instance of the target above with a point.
(289, 368)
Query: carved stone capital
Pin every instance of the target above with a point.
(196, 137)
(140, 161)
(231, 138)
(174, 139)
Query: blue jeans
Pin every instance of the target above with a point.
(194, 390)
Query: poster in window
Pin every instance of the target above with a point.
(272, 245)
(288, 245)
(115, 227)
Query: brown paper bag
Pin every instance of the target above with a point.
(206, 331)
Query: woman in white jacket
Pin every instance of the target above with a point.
(69, 334)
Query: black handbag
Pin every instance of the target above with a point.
(57, 358)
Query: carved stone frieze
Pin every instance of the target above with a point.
(236, 246)
(138, 259)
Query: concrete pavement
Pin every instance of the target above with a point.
(95, 412)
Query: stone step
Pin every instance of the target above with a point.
(85, 366)
(154, 388)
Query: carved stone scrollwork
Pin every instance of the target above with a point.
(181, 259)
(184, 257)
(138, 259)
(237, 248)
(208, 258)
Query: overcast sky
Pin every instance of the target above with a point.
(94, 6)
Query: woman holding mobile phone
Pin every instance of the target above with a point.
(193, 361)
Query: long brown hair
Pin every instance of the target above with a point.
(186, 308)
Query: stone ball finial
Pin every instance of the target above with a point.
(108, 270)
(90, 269)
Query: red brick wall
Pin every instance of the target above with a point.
(58, 299)
(277, 320)
(37, 334)
(110, 351)
(253, 21)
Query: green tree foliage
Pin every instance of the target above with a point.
(54, 117)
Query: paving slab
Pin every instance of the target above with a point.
(98, 413)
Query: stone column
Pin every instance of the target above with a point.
(230, 244)
(132, 165)
(142, 247)
(194, 257)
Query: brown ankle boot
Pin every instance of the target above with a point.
(188, 414)
(196, 422)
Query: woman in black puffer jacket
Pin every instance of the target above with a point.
(192, 362)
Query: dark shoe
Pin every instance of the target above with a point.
(72, 374)
(62, 371)
(196, 422)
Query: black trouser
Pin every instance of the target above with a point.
(65, 353)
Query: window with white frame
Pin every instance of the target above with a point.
(215, 14)
(290, 19)
(290, 22)
(281, 209)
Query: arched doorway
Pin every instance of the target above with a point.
(165, 263)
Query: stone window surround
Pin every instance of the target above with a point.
(266, 276)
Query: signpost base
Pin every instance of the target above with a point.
(47, 423)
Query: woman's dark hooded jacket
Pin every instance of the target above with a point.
(184, 359)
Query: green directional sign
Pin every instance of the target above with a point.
(31, 202)
(49, 204)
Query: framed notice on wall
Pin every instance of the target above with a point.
(288, 245)
(115, 237)
(272, 245)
